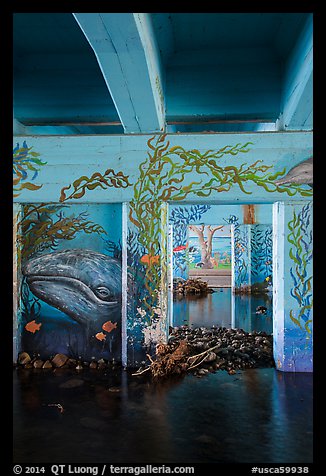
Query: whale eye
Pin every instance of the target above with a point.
(103, 293)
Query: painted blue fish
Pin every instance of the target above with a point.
(82, 283)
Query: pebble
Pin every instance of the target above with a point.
(60, 363)
(24, 358)
(47, 365)
(236, 349)
(71, 363)
(202, 371)
(102, 364)
(38, 364)
(59, 360)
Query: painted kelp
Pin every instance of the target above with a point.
(240, 238)
(70, 298)
(300, 253)
(164, 176)
(109, 179)
(25, 162)
(42, 226)
(293, 295)
(261, 254)
(174, 174)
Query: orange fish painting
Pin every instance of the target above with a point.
(33, 326)
(109, 326)
(100, 336)
(150, 260)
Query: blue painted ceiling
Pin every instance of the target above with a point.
(220, 72)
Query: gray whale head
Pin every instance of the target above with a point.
(83, 284)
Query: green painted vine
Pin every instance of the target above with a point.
(42, 226)
(163, 177)
(300, 253)
(25, 162)
(107, 180)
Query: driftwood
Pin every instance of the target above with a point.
(167, 362)
(175, 362)
(206, 350)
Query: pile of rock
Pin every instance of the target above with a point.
(207, 350)
(61, 361)
(191, 286)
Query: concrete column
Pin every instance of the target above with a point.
(16, 282)
(292, 286)
(261, 256)
(241, 257)
(179, 258)
(145, 286)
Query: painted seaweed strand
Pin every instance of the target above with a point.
(25, 162)
(164, 175)
(301, 254)
(42, 226)
(109, 179)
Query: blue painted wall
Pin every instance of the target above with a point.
(242, 257)
(293, 293)
(259, 241)
(150, 172)
(261, 254)
(44, 325)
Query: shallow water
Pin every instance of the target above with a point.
(256, 415)
(223, 308)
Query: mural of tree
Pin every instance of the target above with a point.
(206, 245)
(180, 217)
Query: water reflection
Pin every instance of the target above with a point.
(257, 416)
(223, 308)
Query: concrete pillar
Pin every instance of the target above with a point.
(241, 276)
(179, 258)
(292, 286)
(16, 282)
(145, 285)
(261, 256)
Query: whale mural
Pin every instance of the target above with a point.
(71, 279)
(77, 293)
(84, 284)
